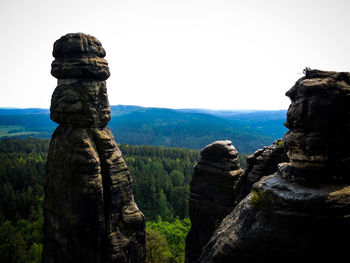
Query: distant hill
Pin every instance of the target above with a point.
(18, 111)
(190, 128)
(266, 122)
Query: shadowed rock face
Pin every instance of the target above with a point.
(90, 213)
(82, 103)
(301, 212)
(261, 163)
(213, 191)
(282, 221)
(318, 119)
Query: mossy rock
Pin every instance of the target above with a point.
(262, 201)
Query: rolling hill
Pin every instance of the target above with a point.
(188, 128)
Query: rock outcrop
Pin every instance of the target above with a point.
(261, 163)
(301, 212)
(90, 213)
(213, 190)
(318, 120)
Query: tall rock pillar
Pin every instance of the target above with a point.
(89, 209)
(213, 192)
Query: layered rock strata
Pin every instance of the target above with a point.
(89, 209)
(261, 163)
(213, 190)
(301, 212)
(318, 120)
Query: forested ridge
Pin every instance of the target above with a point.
(161, 179)
(136, 125)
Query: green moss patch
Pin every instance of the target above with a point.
(262, 201)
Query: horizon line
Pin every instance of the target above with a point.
(153, 107)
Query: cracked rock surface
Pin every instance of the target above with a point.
(89, 209)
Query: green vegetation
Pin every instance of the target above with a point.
(174, 233)
(24, 125)
(262, 201)
(14, 130)
(161, 175)
(171, 128)
(161, 178)
(157, 247)
(280, 143)
(21, 199)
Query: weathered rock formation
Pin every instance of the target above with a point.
(213, 190)
(301, 212)
(318, 120)
(261, 163)
(90, 213)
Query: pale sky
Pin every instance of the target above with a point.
(216, 54)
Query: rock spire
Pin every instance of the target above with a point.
(89, 209)
(213, 190)
(318, 139)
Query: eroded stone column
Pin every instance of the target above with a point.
(213, 191)
(90, 213)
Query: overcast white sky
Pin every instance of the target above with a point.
(217, 54)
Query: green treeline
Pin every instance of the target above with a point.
(161, 179)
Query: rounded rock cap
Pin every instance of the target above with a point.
(74, 44)
(219, 150)
(320, 102)
(79, 56)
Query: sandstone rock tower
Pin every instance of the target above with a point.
(301, 212)
(90, 213)
(212, 194)
(319, 122)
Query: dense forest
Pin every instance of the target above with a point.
(161, 179)
(22, 164)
